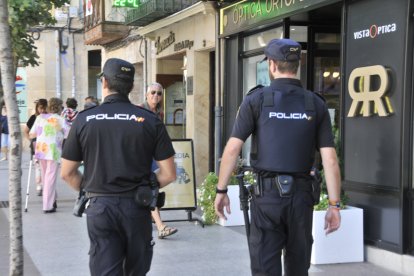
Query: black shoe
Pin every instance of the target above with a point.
(50, 211)
(54, 205)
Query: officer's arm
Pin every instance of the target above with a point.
(229, 161)
(70, 173)
(166, 172)
(332, 172)
(333, 183)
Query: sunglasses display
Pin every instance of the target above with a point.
(159, 93)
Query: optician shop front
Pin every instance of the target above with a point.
(359, 56)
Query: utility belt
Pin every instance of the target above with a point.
(123, 194)
(284, 183)
(146, 195)
(287, 185)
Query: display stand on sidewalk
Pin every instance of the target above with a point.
(189, 218)
(181, 194)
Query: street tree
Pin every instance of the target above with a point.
(17, 47)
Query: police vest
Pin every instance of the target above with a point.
(284, 139)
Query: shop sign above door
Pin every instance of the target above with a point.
(247, 13)
(162, 45)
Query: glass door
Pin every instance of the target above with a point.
(325, 76)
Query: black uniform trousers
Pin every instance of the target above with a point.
(281, 223)
(120, 234)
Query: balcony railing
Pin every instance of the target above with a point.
(98, 31)
(153, 10)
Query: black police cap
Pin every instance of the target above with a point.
(283, 50)
(120, 69)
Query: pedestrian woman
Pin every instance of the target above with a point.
(153, 103)
(41, 106)
(49, 130)
(4, 134)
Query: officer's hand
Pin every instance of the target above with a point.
(332, 220)
(222, 200)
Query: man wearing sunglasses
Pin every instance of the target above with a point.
(153, 99)
(153, 102)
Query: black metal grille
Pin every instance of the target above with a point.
(154, 10)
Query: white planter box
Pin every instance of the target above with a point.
(345, 245)
(236, 217)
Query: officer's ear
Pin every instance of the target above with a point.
(104, 82)
(272, 66)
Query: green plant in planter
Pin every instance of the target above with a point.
(206, 196)
(207, 193)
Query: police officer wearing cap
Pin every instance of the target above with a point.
(117, 142)
(287, 123)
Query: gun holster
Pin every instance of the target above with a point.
(149, 195)
(316, 186)
(80, 204)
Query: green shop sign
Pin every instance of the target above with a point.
(126, 3)
(250, 13)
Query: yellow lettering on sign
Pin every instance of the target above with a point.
(365, 96)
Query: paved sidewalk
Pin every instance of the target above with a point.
(57, 244)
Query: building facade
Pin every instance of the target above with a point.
(65, 67)
(358, 55)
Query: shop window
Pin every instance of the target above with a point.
(299, 33)
(327, 41)
(94, 68)
(174, 106)
(327, 82)
(260, 40)
(327, 76)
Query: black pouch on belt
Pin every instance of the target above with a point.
(285, 185)
(144, 195)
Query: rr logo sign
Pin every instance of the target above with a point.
(366, 96)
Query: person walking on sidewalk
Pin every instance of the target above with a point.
(4, 133)
(90, 101)
(117, 142)
(153, 103)
(40, 108)
(287, 123)
(49, 130)
(69, 113)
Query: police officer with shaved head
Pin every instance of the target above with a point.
(287, 124)
(117, 142)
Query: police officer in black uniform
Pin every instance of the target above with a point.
(117, 142)
(287, 123)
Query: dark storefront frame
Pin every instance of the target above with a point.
(382, 196)
(375, 200)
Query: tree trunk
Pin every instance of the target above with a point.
(8, 78)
